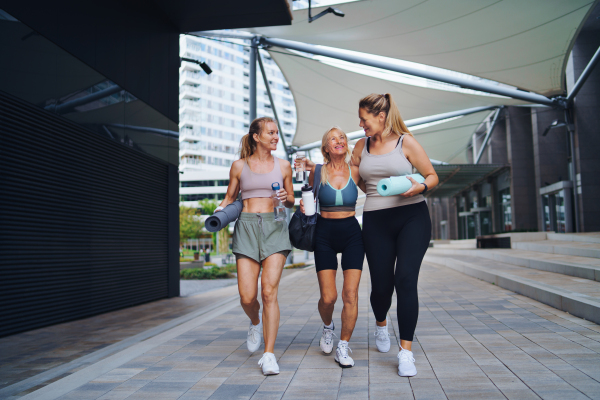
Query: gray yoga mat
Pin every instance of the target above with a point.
(222, 218)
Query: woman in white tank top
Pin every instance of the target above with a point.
(396, 229)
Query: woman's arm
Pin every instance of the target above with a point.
(286, 195)
(357, 179)
(355, 165)
(234, 183)
(416, 155)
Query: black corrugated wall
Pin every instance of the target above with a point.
(84, 221)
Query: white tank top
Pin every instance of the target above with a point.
(375, 167)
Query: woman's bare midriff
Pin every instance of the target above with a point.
(258, 205)
(337, 214)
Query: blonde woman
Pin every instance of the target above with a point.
(396, 229)
(259, 239)
(337, 231)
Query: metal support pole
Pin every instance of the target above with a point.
(267, 86)
(583, 77)
(253, 98)
(573, 171)
(405, 69)
(488, 135)
(411, 122)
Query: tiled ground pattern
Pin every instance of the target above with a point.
(474, 341)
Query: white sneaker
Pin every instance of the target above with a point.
(254, 337)
(406, 363)
(383, 338)
(269, 364)
(326, 341)
(341, 355)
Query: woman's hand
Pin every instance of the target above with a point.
(302, 206)
(308, 164)
(282, 195)
(416, 188)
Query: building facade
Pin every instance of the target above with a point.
(530, 185)
(214, 109)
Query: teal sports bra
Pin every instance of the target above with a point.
(338, 200)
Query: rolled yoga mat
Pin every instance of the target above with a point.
(222, 218)
(397, 184)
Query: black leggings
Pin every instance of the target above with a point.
(334, 236)
(400, 236)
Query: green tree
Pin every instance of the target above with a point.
(190, 224)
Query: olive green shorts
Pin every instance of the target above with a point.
(258, 235)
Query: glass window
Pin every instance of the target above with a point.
(505, 210)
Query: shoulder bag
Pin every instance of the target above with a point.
(302, 227)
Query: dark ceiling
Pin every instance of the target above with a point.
(195, 15)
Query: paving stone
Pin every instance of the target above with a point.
(473, 341)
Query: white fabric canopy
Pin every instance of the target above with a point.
(516, 42)
(448, 141)
(326, 96)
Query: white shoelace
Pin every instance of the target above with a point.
(255, 332)
(265, 358)
(406, 355)
(379, 331)
(329, 334)
(344, 347)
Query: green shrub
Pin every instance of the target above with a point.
(296, 265)
(210, 264)
(201, 273)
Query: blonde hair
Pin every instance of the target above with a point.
(327, 156)
(377, 103)
(248, 144)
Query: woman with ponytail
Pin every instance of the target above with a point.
(258, 238)
(396, 229)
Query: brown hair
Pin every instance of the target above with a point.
(248, 144)
(377, 103)
(327, 156)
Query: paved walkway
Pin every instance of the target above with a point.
(474, 340)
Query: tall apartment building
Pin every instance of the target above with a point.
(214, 109)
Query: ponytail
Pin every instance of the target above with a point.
(248, 144)
(377, 103)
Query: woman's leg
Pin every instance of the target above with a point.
(350, 298)
(329, 294)
(380, 250)
(271, 275)
(412, 243)
(353, 258)
(248, 271)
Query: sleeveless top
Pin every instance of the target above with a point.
(253, 184)
(375, 167)
(337, 200)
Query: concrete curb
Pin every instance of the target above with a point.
(574, 303)
(590, 272)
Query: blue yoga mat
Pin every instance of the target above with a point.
(397, 184)
(222, 218)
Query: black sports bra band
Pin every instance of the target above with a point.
(399, 139)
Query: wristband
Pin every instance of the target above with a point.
(424, 191)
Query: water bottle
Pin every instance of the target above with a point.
(301, 168)
(278, 207)
(308, 200)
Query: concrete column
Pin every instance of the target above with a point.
(452, 218)
(550, 153)
(520, 156)
(587, 120)
(497, 145)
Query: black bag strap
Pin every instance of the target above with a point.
(317, 184)
(317, 181)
